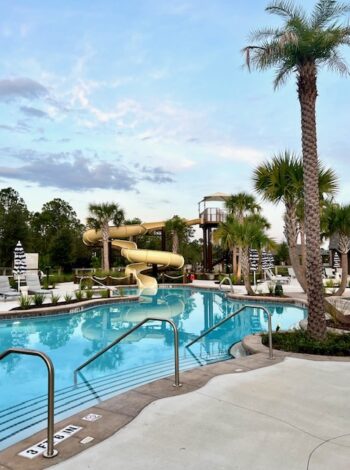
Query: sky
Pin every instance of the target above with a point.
(148, 104)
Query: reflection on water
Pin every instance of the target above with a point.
(70, 339)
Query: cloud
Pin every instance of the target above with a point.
(237, 153)
(34, 112)
(155, 174)
(14, 88)
(70, 171)
(21, 126)
(76, 172)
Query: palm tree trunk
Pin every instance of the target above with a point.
(291, 233)
(307, 91)
(344, 274)
(303, 245)
(175, 242)
(239, 264)
(105, 239)
(245, 270)
(234, 261)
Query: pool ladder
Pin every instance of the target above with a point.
(116, 341)
(50, 451)
(226, 278)
(261, 307)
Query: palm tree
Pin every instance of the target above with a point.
(239, 205)
(177, 227)
(336, 221)
(302, 46)
(250, 232)
(101, 215)
(281, 180)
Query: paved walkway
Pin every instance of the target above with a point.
(290, 416)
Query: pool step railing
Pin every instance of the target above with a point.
(129, 332)
(25, 415)
(226, 278)
(261, 307)
(50, 451)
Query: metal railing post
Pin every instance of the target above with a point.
(50, 451)
(116, 341)
(226, 278)
(261, 307)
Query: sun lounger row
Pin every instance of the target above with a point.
(33, 285)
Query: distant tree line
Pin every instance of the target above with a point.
(55, 232)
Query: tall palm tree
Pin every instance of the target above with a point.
(301, 46)
(177, 227)
(336, 221)
(250, 232)
(100, 216)
(281, 180)
(239, 205)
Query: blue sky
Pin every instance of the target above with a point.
(146, 103)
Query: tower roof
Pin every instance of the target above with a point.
(216, 197)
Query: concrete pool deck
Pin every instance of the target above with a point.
(292, 415)
(247, 413)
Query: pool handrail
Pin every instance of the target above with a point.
(116, 341)
(261, 307)
(226, 278)
(99, 283)
(50, 451)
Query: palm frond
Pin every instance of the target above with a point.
(326, 11)
(286, 9)
(264, 33)
(337, 64)
(282, 75)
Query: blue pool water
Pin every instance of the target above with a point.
(70, 339)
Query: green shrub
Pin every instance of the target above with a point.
(55, 299)
(278, 289)
(79, 294)
(300, 342)
(38, 299)
(104, 293)
(25, 301)
(89, 293)
(86, 283)
(121, 291)
(68, 297)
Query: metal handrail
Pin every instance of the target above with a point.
(261, 307)
(116, 341)
(110, 288)
(51, 451)
(229, 281)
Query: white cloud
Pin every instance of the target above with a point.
(237, 153)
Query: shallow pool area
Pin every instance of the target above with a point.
(145, 355)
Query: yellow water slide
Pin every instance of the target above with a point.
(141, 260)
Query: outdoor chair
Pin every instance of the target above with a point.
(6, 290)
(338, 273)
(291, 273)
(33, 284)
(277, 278)
(329, 272)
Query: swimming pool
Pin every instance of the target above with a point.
(146, 355)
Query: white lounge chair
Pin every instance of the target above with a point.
(6, 290)
(291, 273)
(329, 272)
(33, 284)
(277, 278)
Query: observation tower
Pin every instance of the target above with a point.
(212, 211)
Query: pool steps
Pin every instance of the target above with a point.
(29, 416)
